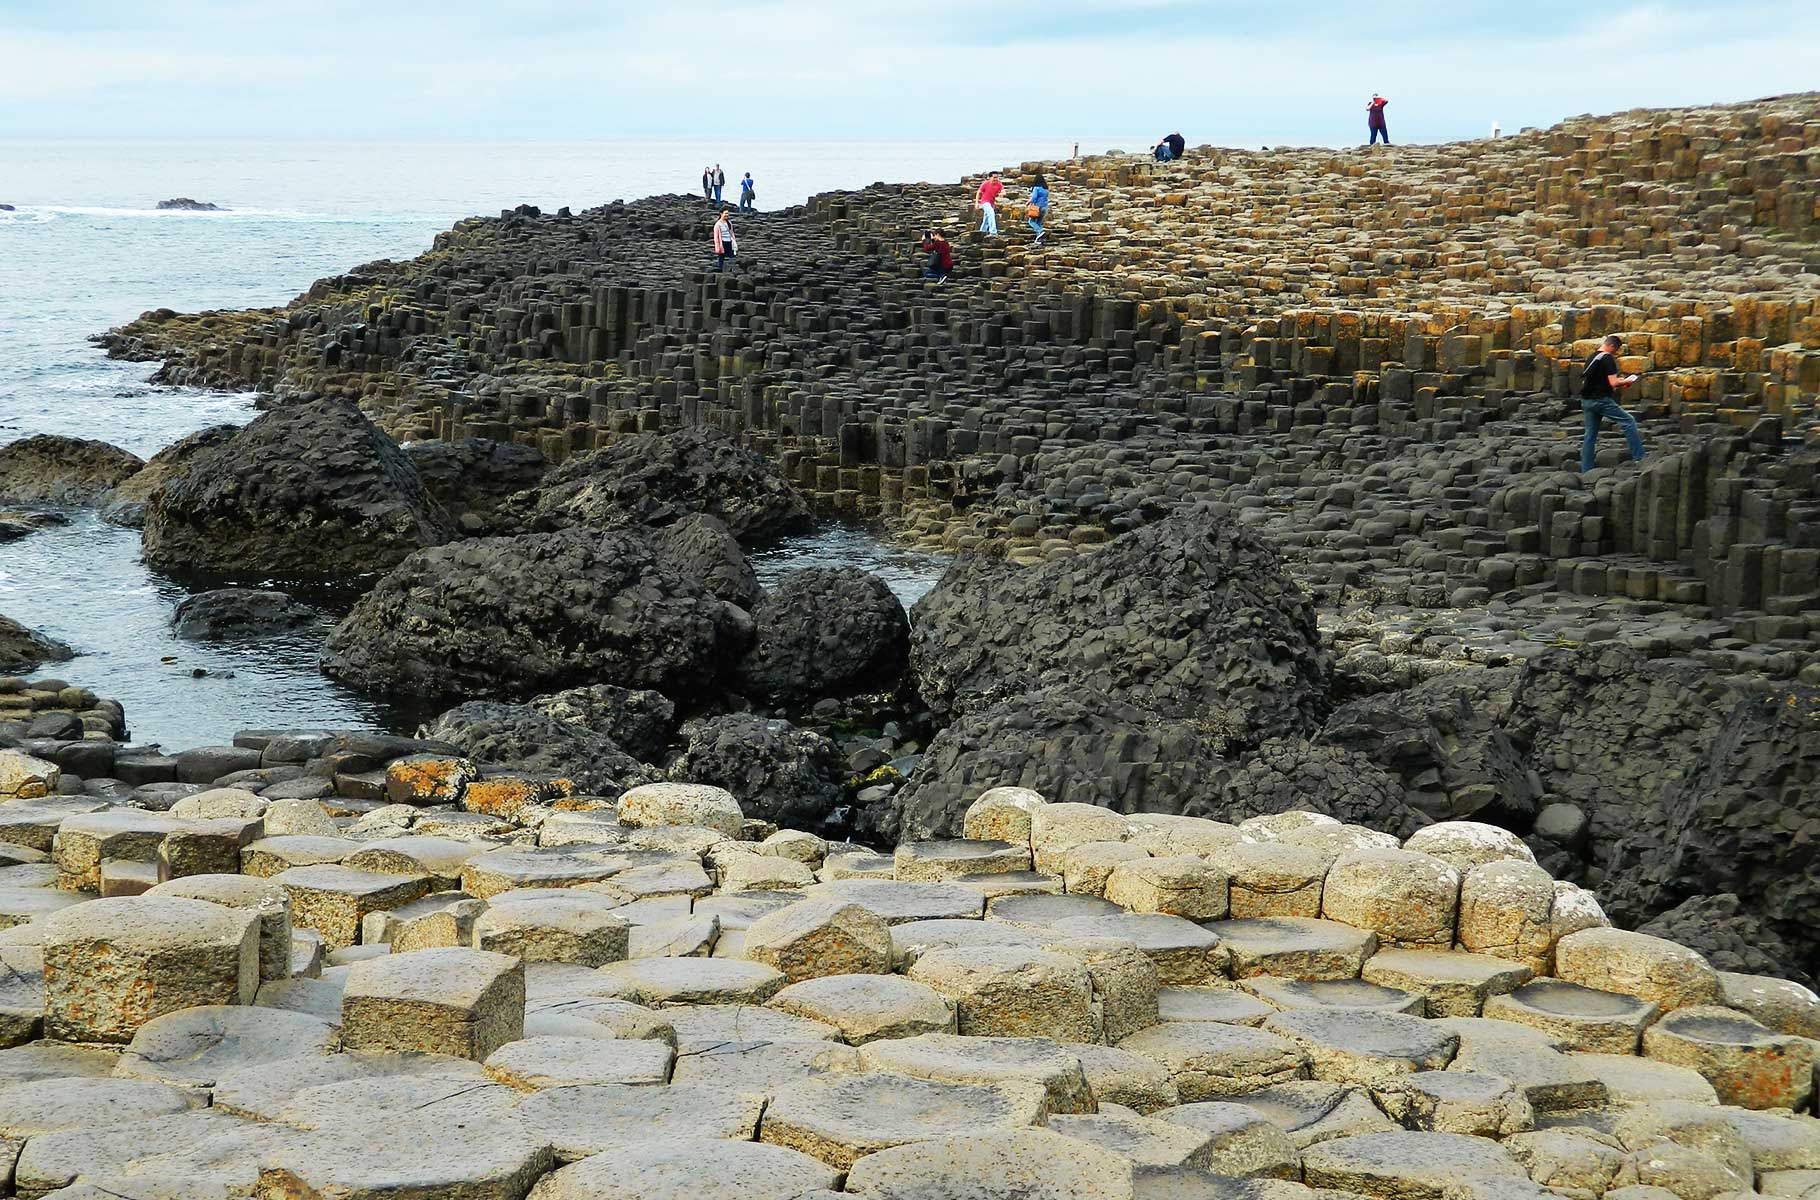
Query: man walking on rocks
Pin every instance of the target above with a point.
(1039, 208)
(1374, 117)
(987, 200)
(720, 182)
(726, 246)
(1600, 384)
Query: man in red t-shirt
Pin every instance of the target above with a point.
(987, 200)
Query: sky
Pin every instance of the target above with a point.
(1288, 72)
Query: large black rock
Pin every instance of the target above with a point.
(825, 631)
(1181, 618)
(703, 548)
(51, 469)
(1070, 745)
(309, 489)
(1737, 811)
(639, 721)
(511, 617)
(658, 478)
(521, 738)
(776, 771)
(472, 477)
(127, 503)
(23, 649)
(1292, 773)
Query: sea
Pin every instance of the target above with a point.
(86, 248)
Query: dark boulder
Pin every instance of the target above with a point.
(825, 631)
(51, 469)
(1730, 936)
(127, 503)
(1189, 619)
(517, 616)
(776, 771)
(1285, 774)
(1737, 811)
(520, 738)
(1072, 746)
(18, 523)
(239, 613)
(1456, 741)
(24, 649)
(308, 489)
(640, 721)
(657, 479)
(185, 204)
(702, 547)
(471, 477)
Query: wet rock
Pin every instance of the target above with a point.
(657, 479)
(51, 469)
(521, 738)
(638, 721)
(185, 204)
(471, 477)
(1069, 745)
(1183, 618)
(515, 616)
(24, 649)
(825, 631)
(239, 613)
(126, 504)
(781, 773)
(306, 490)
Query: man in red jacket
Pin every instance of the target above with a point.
(1374, 116)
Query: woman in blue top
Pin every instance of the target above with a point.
(1039, 206)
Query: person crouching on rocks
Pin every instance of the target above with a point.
(938, 256)
(1038, 211)
(726, 246)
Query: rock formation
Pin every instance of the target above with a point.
(240, 613)
(49, 469)
(656, 479)
(823, 632)
(126, 504)
(510, 617)
(471, 477)
(478, 981)
(306, 489)
(25, 649)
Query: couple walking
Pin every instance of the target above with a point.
(1037, 210)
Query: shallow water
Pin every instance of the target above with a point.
(86, 250)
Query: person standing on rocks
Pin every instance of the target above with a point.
(1038, 211)
(748, 194)
(1374, 117)
(720, 182)
(1600, 384)
(726, 246)
(987, 201)
(707, 183)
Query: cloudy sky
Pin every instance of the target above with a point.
(1234, 73)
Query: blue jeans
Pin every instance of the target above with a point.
(1379, 131)
(1164, 154)
(1036, 223)
(988, 219)
(717, 188)
(1608, 409)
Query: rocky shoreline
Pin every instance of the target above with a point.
(1227, 821)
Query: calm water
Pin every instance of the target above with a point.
(87, 249)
